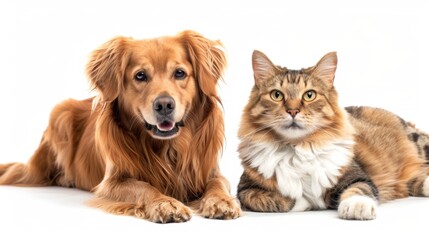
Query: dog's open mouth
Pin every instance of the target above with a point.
(165, 129)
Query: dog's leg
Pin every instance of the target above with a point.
(36, 173)
(217, 202)
(140, 199)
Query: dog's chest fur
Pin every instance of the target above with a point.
(303, 173)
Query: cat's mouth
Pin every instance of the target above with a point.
(293, 125)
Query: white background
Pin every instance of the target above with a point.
(383, 54)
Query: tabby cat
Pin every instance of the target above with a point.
(301, 151)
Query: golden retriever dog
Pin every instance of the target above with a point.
(148, 145)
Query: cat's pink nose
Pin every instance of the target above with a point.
(293, 112)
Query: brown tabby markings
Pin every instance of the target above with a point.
(356, 181)
(264, 192)
(420, 139)
(385, 161)
(386, 153)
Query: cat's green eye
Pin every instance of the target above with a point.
(309, 95)
(276, 95)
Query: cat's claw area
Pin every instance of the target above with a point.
(357, 208)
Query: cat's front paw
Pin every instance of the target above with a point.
(259, 200)
(357, 208)
(220, 207)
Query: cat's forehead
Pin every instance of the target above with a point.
(290, 78)
(295, 77)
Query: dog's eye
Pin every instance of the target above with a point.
(141, 76)
(179, 74)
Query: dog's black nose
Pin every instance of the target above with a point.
(164, 105)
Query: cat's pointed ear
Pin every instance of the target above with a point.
(326, 67)
(263, 68)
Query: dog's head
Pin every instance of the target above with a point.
(158, 81)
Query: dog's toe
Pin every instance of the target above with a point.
(218, 207)
(168, 210)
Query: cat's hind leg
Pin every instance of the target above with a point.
(426, 187)
(419, 186)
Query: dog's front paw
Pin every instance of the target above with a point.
(167, 210)
(357, 208)
(220, 207)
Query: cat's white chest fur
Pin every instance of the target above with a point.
(303, 173)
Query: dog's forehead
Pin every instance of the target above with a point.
(159, 49)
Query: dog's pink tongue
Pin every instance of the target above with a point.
(165, 126)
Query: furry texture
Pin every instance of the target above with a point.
(357, 208)
(149, 144)
(301, 151)
(301, 173)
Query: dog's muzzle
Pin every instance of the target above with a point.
(157, 132)
(164, 108)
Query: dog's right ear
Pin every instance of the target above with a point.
(106, 68)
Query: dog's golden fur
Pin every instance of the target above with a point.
(107, 145)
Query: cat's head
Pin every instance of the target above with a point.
(292, 105)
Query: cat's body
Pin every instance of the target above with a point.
(301, 151)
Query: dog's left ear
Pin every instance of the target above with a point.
(208, 60)
(106, 68)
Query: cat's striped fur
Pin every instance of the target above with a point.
(301, 151)
(420, 139)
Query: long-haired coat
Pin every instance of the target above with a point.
(149, 144)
